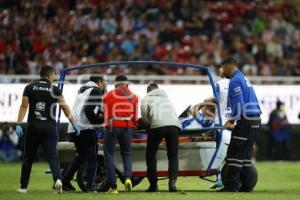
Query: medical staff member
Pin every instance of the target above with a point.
(245, 121)
(87, 110)
(42, 97)
(121, 115)
(159, 114)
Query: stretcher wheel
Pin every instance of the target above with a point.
(248, 182)
(249, 178)
(101, 180)
(100, 183)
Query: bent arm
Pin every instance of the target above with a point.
(236, 99)
(145, 112)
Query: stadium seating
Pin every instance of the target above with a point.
(263, 36)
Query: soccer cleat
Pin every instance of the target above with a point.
(58, 186)
(22, 191)
(128, 185)
(112, 191)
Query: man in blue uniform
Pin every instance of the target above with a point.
(245, 122)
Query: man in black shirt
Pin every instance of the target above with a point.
(42, 98)
(87, 110)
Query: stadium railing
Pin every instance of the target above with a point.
(78, 79)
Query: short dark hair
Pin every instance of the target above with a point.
(96, 78)
(152, 86)
(121, 78)
(46, 70)
(230, 61)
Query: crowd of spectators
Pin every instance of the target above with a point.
(263, 36)
(9, 141)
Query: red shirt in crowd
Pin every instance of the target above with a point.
(116, 104)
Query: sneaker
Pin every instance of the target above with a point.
(172, 186)
(22, 191)
(152, 188)
(68, 187)
(112, 191)
(128, 185)
(58, 186)
(217, 184)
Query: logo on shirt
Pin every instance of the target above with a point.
(40, 106)
(39, 116)
(237, 91)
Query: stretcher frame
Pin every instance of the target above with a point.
(218, 130)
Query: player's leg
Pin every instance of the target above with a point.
(235, 157)
(32, 141)
(125, 150)
(153, 140)
(247, 170)
(49, 142)
(171, 137)
(91, 155)
(109, 146)
(75, 163)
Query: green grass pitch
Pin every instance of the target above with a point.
(276, 181)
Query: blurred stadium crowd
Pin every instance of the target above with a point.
(263, 36)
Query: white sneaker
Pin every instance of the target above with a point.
(58, 186)
(22, 191)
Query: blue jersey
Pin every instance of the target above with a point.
(241, 97)
(200, 120)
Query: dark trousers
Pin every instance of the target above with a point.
(240, 151)
(123, 137)
(155, 136)
(40, 133)
(87, 150)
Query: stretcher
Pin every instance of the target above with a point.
(201, 150)
(196, 154)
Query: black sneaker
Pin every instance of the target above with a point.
(152, 188)
(68, 187)
(172, 186)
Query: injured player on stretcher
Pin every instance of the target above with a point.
(199, 116)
